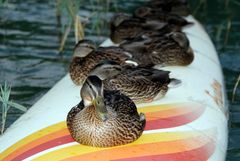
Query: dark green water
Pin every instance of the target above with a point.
(31, 63)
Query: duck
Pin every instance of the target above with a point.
(179, 7)
(104, 118)
(142, 85)
(125, 27)
(156, 14)
(171, 49)
(86, 56)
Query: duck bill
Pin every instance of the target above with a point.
(100, 108)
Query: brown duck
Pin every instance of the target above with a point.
(104, 118)
(125, 27)
(138, 83)
(179, 7)
(164, 17)
(86, 56)
(168, 50)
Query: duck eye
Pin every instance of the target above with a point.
(98, 102)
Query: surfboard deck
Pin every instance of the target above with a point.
(189, 123)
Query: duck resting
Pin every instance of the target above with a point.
(154, 14)
(179, 7)
(125, 27)
(104, 118)
(167, 50)
(141, 84)
(86, 56)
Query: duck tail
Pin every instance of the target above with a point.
(189, 23)
(174, 83)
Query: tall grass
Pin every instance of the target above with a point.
(235, 88)
(2, 2)
(7, 104)
(70, 9)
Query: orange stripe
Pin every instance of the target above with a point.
(59, 130)
(156, 112)
(144, 139)
(31, 138)
(164, 107)
(143, 150)
(166, 114)
(63, 132)
(202, 153)
(37, 142)
(163, 137)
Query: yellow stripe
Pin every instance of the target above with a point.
(165, 107)
(61, 125)
(145, 138)
(33, 137)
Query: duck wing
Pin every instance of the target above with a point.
(118, 103)
(115, 50)
(151, 74)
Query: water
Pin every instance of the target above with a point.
(31, 63)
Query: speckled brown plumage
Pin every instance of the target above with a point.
(123, 126)
(124, 27)
(154, 14)
(170, 49)
(140, 84)
(179, 7)
(81, 66)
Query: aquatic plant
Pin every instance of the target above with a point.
(2, 2)
(70, 7)
(98, 23)
(235, 88)
(6, 104)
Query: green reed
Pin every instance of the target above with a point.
(235, 88)
(76, 23)
(7, 104)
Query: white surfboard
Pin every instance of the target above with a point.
(189, 123)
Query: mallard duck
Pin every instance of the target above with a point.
(104, 118)
(168, 50)
(138, 83)
(86, 56)
(154, 14)
(125, 27)
(179, 7)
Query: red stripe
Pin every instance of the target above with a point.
(174, 121)
(200, 154)
(150, 125)
(53, 143)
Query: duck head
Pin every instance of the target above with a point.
(118, 19)
(119, 24)
(83, 48)
(142, 12)
(92, 95)
(183, 42)
(180, 38)
(106, 69)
